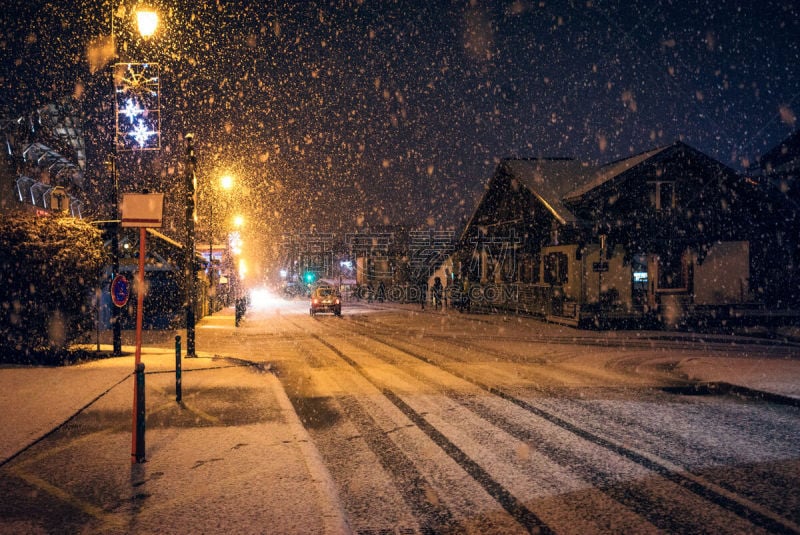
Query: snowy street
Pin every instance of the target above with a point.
(399, 267)
(440, 422)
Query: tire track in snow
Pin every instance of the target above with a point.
(431, 515)
(507, 500)
(642, 500)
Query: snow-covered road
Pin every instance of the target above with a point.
(417, 422)
(441, 422)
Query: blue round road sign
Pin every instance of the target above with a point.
(120, 290)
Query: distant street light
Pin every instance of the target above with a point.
(226, 182)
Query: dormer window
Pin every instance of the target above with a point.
(662, 194)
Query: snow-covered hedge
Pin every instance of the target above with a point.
(49, 270)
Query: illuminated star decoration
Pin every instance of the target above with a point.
(141, 133)
(132, 109)
(137, 100)
(138, 79)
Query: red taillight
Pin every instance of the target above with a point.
(315, 301)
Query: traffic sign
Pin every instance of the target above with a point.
(120, 290)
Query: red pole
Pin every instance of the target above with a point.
(136, 455)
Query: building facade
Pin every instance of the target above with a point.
(664, 236)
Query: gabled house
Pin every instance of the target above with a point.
(662, 235)
(520, 213)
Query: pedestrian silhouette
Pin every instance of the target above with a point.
(437, 291)
(381, 292)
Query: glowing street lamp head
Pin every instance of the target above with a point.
(226, 182)
(238, 221)
(147, 20)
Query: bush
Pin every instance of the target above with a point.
(49, 270)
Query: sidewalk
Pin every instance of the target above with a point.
(231, 457)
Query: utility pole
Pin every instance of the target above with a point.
(188, 270)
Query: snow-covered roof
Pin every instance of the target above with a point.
(165, 238)
(611, 170)
(549, 179)
(556, 181)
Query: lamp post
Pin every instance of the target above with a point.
(147, 22)
(188, 269)
(211, 290)
(136, 101)
(234, 250)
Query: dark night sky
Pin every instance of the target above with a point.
(345, 114)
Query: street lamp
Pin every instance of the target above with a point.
(137, 121)
(147, 23)
(226, 183)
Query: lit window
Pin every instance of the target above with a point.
(556, 269)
